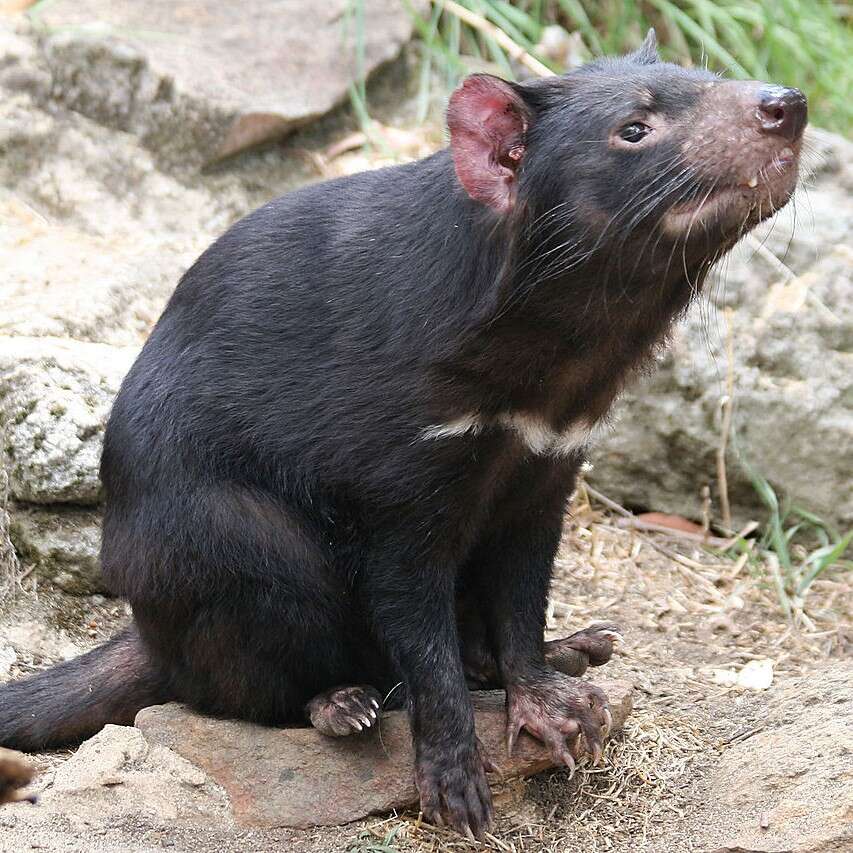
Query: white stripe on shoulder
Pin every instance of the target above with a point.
(576, 437)
(532, 431)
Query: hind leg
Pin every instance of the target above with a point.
(248, 613)
(265, 657)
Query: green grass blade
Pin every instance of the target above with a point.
(436, 43)
(703, 39)
(576, 12)
(822, 559)
(779, 584)
(425, 72)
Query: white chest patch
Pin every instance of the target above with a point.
(533, 432)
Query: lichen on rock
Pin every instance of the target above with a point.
(55, 396)
(8, 557)
(61, 544)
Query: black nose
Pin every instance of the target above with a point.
(782, 111)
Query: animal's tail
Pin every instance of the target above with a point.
(76, 699)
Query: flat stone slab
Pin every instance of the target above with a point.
(298, 778)
(253, 70)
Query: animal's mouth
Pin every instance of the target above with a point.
(737, 204)
(778, 165)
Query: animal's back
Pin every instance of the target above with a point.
(285, 378)
(293, 332)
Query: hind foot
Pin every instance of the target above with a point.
(591, 647)
(344, 711)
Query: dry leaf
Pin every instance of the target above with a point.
(673, 522)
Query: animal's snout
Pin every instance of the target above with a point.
(783, 112)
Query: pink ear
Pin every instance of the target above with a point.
(487, 121)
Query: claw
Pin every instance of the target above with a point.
(608, 722)
(488, 765)
(597, 754)
(614, 636)
(467, 833)
(491, 767)
(354, 723)
(574, 745)
(570, 718)
(366, 721)
(512, 733)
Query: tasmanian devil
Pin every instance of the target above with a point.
(341, 461)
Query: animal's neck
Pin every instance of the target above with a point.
(562, 348)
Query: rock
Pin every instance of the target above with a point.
(62, 544)
(33, 639)
(64, 281)
(8, 657)
(22, 68)
(92, 246)
(55, 397)
(101, 760)
(117, 774)
(789, 787)
(8, 558)
(200, 80)
(793, 381)
(299, 778)
(754, 675)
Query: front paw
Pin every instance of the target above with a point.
(565, 713)
(453, 789)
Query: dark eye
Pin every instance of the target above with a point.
(634, 132)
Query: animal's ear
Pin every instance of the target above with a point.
(647, 52)
(488, 120)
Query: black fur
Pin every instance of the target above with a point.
(276, 512)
